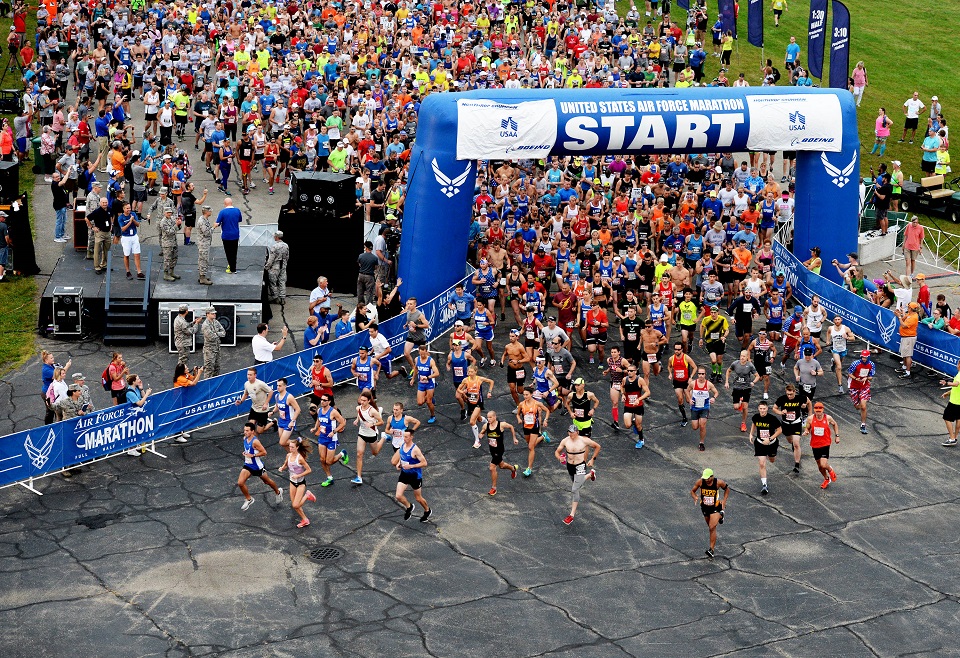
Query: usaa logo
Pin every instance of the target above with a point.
(508, 127)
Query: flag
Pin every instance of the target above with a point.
(816, 38)
(755, 23)
(840, 46)
(728, 17)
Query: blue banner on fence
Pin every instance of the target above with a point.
(50, 448)
(755, 23)
(840, 47)
(728, 16)
(816, 37)
(935, 348)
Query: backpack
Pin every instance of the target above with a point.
(105, 380)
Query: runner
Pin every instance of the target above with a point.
(367, 420)
(410, 461)
(653, 343)
(839, 335)
(457, 363)
(742, 371)
(681, 366)
(861, 374)
(529, 414)
(425, 368)
(616, 365)
(764, 352)
(582, 405)
(635, 391)
(714, 330)
(765, 436)
(515, 355)
(951, 413)
(713, 510)
(253, 454)
(793, 407)
(572, 451)
(471, 389)
(395, 424)
(296, 462)
(493, 430)
(330, 422)
(259, 393)
(818, 426)
(701, 393)
(287, 410)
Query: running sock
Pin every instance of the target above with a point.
(616, 414)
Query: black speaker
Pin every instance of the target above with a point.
(325, 193)
(9, 182)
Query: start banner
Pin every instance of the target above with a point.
(50, 448)
(935, 348)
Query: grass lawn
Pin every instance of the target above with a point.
(18, 297)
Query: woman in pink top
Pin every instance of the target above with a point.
(882, 131)
(859, 82)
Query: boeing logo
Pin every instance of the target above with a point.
(449, 186)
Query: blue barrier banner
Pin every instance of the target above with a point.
(728, 15)
(935, 348)
(816, 37)
(50, 448)
(840, 47)
(755, 23)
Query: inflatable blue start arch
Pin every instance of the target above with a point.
(456, 130)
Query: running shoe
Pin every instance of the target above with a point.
(279, 496)
(311, 497)
(702, 447)
(721, 517)
(476, 444)
(615, 425)
(826, 483)
(247, 503)
(513, 475)
(568, 520)
(683, 423)
(304, 523)
(329, 481)
(432, 420)
(949, 443)
(426, 516)
(493, 491)
(833, 475)
(638, 444)
(709, 553)
(344, 457)
(743, 427)
(592, 475)
(408, 512)
(764, 490)
(863, 428)
(527, 472)
(357, 480)
(546, 437)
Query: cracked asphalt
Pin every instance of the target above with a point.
(151, 556)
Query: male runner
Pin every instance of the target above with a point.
(493, 430)
(572, 451)
(765, 437)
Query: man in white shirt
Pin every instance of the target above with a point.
(263, 349)
(911, 110)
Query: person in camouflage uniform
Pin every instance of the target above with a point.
(168, 228)
(183, 329)
(160, 205)
(212, 332)
(277, 256)
(203, 232)
(92, 202)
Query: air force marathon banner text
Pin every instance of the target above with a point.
(50, 448)
(935, 348)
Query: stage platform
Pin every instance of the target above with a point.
(245, 288)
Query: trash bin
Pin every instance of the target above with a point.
(37, 158)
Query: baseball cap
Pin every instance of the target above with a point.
(578, 381)
(707, 473)
(865, 353)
